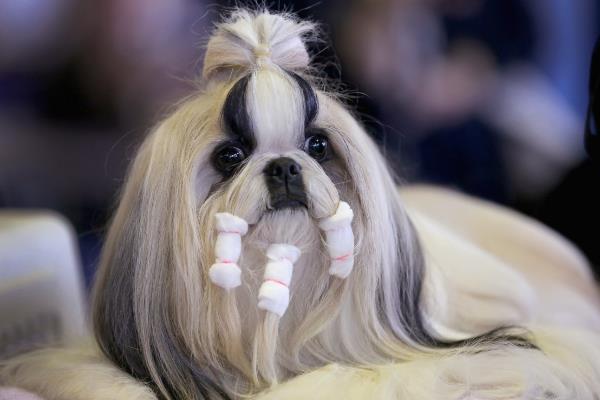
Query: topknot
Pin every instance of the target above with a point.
(249, 40)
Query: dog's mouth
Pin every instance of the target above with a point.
(287, 201)
(287, 197)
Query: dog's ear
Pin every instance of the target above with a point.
(152, 252)
(387, 279)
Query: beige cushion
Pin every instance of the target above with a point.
(41, 291)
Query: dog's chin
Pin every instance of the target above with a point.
(287, 200)
(288, 210)
(290, 223)
(287, 204)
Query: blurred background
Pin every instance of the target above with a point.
(487, 96)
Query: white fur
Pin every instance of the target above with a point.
(77, 372)
(277, 108)
(262, 38)
(496, 375)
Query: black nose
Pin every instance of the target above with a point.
(283, 169)
(283, 177)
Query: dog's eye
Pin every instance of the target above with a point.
(228, 157)
(317, 146)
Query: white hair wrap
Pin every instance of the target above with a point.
(274, 293)
(225, 272)
(339, 240)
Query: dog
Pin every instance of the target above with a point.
(261, 249)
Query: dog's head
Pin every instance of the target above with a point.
(262, 141)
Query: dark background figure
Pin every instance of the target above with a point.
(573, 206)
(592, 121)
(481, 95)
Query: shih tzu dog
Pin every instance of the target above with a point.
(261, 249)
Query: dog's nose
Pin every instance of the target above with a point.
(283, 169)
(283, 177)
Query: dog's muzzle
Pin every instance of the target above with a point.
(284, 182)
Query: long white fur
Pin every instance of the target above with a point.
(481, 269)
(274, 293)
(225, 272)
(564, 371)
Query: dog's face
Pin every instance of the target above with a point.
(271, 149)
(277, 161)
(288, 140)
(265, 144)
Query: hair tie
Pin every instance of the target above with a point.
(225, 272)
(339, 240)
(274, 293)
(262, 53)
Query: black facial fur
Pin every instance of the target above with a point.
(235, 115)
(312, 134)
(228, 156)
(311, 103)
